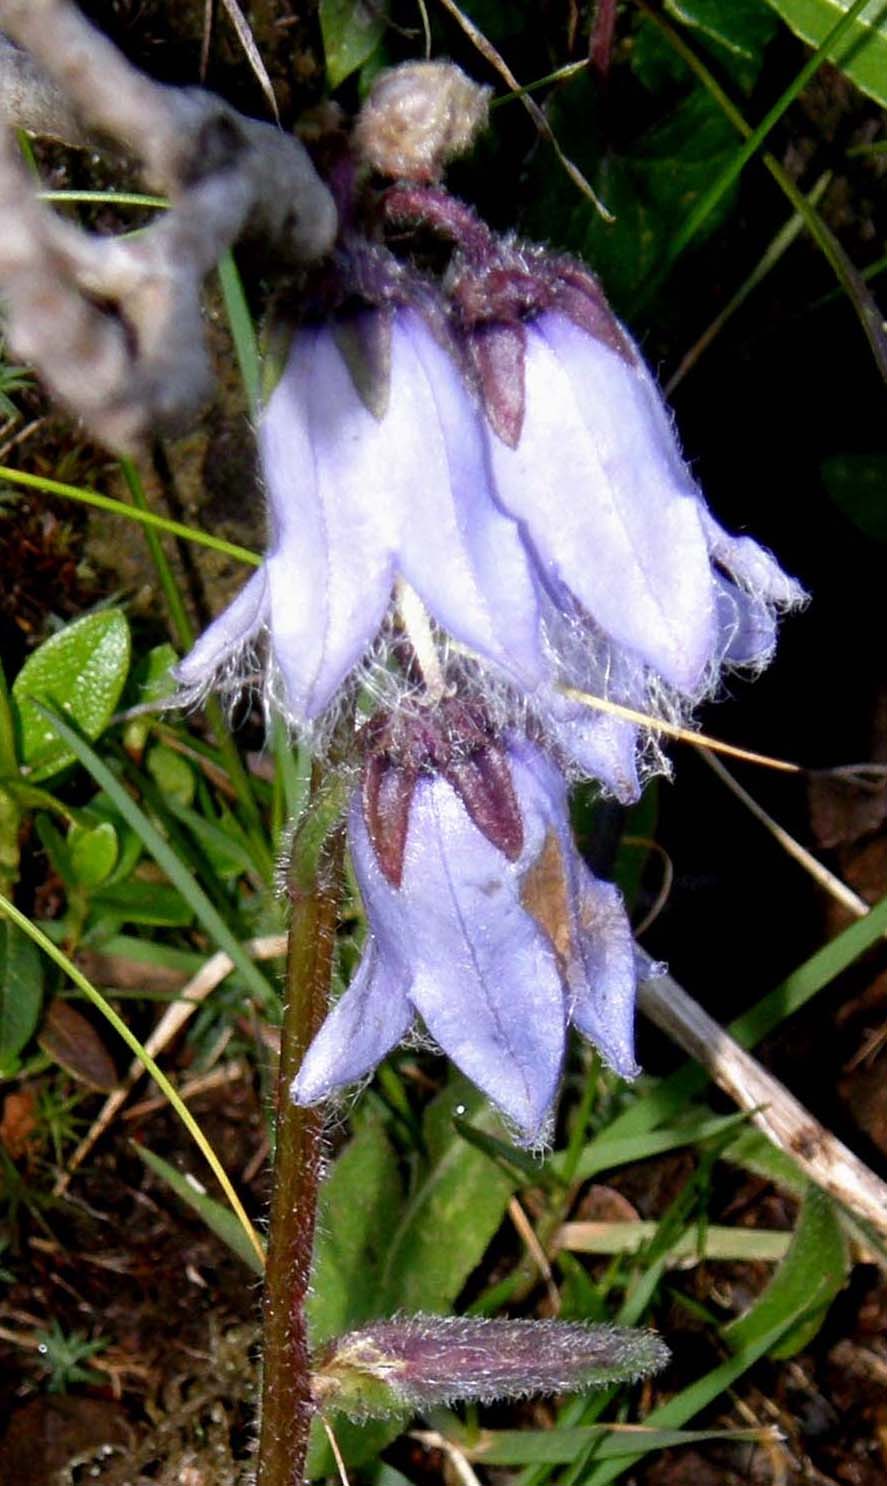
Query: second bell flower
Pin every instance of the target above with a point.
(497, 953)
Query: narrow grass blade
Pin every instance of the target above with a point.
(242, 330)
(218, 1219)
(669, 1097)
(693, 1399)
(166, 858)
(233, 763)
(137, 1049)
(105, 198)
(768, 260)
(848, 277)
(119, 508)
(605, 1152)
(508, 1158)
(813, 1271)
(717, 1242)
(165, 576)
(721, 185)
(561, 1446)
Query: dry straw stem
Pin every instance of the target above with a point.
(114, 325)
(430, 1439)
(671, 730)
(498, 63)
(820, 873)
(692, 1247)
(776, 1112)
(536, 1252)
(210, 974)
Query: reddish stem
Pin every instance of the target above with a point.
(287, 1409)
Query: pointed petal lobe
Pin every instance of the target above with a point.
(603, 1009)
(462, 554)
(484, 977)
(335, 493)
(597, 490)
(235, 627)
(371, 1018)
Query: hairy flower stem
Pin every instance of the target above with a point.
(313, 886)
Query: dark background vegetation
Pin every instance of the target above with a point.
(782, 418)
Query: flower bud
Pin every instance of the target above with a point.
(417, 117)
(419, 1362)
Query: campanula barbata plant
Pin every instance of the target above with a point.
(477, 503)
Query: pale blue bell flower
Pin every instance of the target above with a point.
(358, 498)
(496, 956)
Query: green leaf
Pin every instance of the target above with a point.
(92, 852)
(32, 797)
(10, 826)
(359, 1206)
(453, 1213)
(56, 848)
(151, 681)
(811, 1274)
(8, 756)
(386, 1475)
(691, 1400)
(138, 902)
(351, 31)
(650, 186)
(172, 774)
(21, 992)
(221, 841)
(740, 26)
(218, 1218)
(857, 483)
(100, 810)
(502, 23)
(563, 1446)
(736, 35)
(176, 870)
(862, 53)
(79, 672)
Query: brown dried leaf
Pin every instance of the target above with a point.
(602, 1204)
(842, 810)
(72, 1041)
(46, 1433)
(18, 1123)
